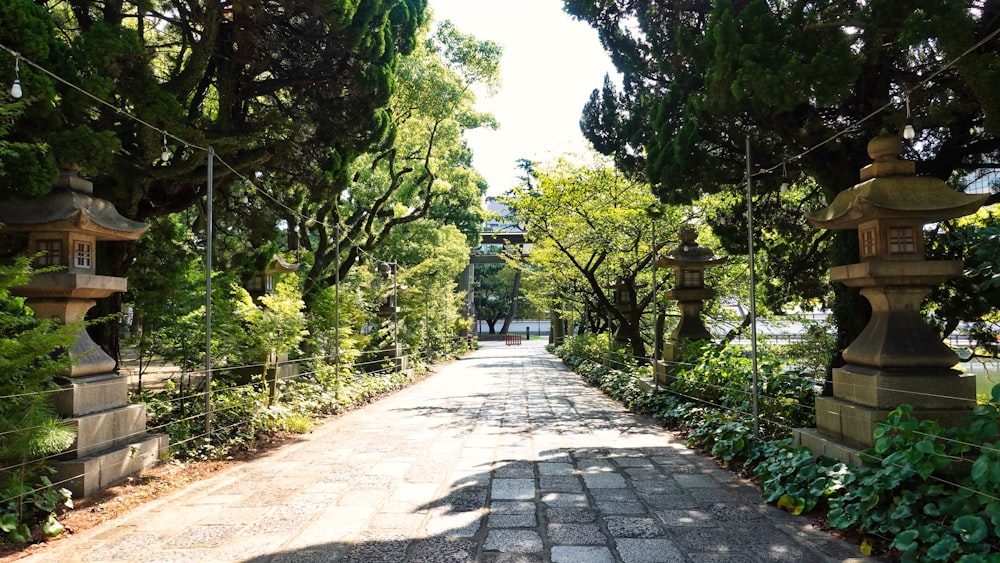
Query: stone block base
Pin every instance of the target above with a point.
(93, 393)
(666, 371)
(854, 425)
(111, 439)
(109, 429)
(885, 389)
(821, 445)
(86, 475)
(646, 383)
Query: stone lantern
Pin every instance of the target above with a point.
(689, 261)
(262, 283)
(64, 227)
(897, 358)
(623, 298)
(276, 366)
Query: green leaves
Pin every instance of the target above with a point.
(30, 430)
(51, 527)
(793, 505)
(986, 468)
(931, 489)
(970, 528)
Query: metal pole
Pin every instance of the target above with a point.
(753, 294)
(395, 317)
(208, 294)
(336, 306)
(656, 340)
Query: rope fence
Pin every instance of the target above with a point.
(366, 366)
(740, 386)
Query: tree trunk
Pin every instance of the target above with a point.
(513, 302)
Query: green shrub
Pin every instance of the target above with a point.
(241, 414)
(722, 377)
(934, 491)
(30, 431)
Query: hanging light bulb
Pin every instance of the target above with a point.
(784, 175)
(15, 90)
(908, 131)
(165, 155)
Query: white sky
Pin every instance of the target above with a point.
(551, 63)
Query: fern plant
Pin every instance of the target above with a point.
(31, 357)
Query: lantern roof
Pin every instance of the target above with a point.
(890, 189)
(278, 265)
(69, 207)
(689, 253)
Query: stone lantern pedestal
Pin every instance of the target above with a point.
(277, 367)
(623, 297)
(689, 262)
(63, 227)
(897, 358)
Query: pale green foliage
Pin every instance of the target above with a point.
(589, 226)
(278, 324)
(430, 308)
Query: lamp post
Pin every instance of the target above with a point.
(753, 297)
(655, 212)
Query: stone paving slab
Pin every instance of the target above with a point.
(503, 456)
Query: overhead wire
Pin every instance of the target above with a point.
(125, 113)
(906, 94)
(783, 164)
(120, 111)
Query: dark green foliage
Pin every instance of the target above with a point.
(698, 78)
(932, 491)
(30, 431)
(723, 378)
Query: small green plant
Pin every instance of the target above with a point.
(933, 491)
(795, 479)
(30, 431)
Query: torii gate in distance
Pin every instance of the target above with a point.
(494, 238)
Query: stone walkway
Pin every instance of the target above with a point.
(503, 456)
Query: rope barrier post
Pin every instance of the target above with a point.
(753, 295)
(208, 295)
(336, 307)
(396, 350)
(656, 334)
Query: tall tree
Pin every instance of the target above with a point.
(425, 171)
(590, 230)
(493, 287)
(254, 80)
(699, 77)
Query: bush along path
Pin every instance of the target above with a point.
(247, 420)
(930, 494)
